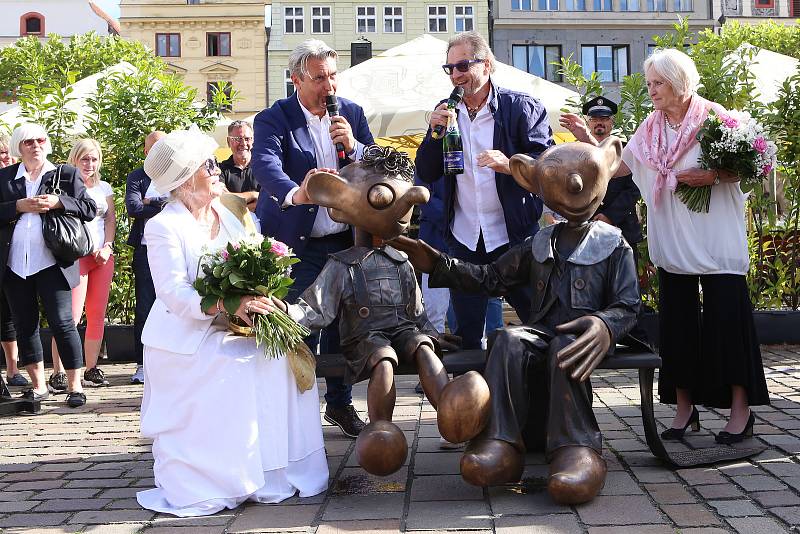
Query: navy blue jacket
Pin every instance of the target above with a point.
(283, 153)
(135, 188)
(432, 225)
(520, 126)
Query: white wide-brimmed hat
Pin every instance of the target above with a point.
(175, 158)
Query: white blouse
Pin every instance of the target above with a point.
(28, 253)
(97, 226)
(682, 241)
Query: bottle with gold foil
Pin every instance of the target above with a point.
(453, 149)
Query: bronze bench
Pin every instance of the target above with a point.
(332, 365)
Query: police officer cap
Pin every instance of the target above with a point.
(599, 106)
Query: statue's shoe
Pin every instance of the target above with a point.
(381, 448)
(577, 475)
(463, 408)
(490, 462)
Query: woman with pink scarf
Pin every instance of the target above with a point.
(708, 345)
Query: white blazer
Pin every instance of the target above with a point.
(176, 322)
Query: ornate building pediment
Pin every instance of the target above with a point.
(174, 69)
(219, 70)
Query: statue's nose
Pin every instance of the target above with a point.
(574, 183)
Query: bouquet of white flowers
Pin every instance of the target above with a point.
(733, 141)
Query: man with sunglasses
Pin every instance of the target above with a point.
(486, 212)
(236, 172)
(293, 139)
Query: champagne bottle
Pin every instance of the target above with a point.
(453, 149)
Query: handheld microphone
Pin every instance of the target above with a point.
(332, 105)
(452, 102)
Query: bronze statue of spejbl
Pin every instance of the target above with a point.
(585, 299)
(372, 288)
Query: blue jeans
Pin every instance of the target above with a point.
(326, 341)
(470, 309)
(494, 315)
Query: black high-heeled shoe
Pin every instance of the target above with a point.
(726, 438)
(676, 434)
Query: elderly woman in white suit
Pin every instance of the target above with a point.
(227, 424)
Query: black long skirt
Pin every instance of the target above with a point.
(709, 343)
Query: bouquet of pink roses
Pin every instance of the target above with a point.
(253, 266)
(733, 141)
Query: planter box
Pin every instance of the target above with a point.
(119, 341)
(773, 327)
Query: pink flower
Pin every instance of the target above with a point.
(766, 170)
(279, 249)
(236, 246)
(225, 255)
(760, 145)
(729, 121)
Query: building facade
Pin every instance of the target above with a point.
(384, 24)
(755, 11)
(42, 17)
(611, 37)
(206, 42)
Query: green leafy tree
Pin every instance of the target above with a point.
(587, 88)
(125, 108)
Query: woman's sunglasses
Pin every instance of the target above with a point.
(31, 142)
(461, 66)
(211, 165)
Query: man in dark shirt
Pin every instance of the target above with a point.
(141, 205)
(236, 172)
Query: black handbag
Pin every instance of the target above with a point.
(64, 234)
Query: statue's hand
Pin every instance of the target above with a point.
(421, 255)
(586, 352)
(449, 342)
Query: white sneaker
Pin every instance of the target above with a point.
(138, 376)
(444, 444)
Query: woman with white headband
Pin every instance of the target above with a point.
(227, 423)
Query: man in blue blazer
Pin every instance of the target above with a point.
(486, 211)
(141, 207)
(293, 139)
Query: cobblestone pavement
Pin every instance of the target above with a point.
(71, 470)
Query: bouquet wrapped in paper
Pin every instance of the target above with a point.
(733, 141)
(253, 266)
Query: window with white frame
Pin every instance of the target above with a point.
(602, 5)
(552, 5)
(392, 19)
(683, 5)
(465, 18)
(657, 6)
(574, 5)
(538, 60)
(288, 85)
(609, 61)
(321, 19)
(293, 19)
(521, 5)
(629, 5)
(437, 19)
(366, 19)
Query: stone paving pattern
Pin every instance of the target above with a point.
(78, 470)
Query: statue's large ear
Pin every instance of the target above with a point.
(523, 169)
(331, 191)
(612, 153)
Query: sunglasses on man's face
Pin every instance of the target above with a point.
(239, 139)
(211, 165)
(461, 66)
(31, 142)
